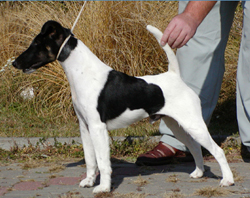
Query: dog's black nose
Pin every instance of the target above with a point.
(14, 64)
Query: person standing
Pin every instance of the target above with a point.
(200, 32)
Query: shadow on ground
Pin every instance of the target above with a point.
(122, 169)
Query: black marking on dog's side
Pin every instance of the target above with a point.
(122, 91)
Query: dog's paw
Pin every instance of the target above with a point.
(101, 188)
(87, 182)
(226, 182)
(197, 173)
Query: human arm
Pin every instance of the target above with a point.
(183, 26)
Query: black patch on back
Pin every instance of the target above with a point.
(122, 91)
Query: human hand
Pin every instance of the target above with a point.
(179, 30)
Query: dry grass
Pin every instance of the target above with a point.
(71, 195)
(140, 181)
(120, 195)
(114, 31)
(232, 149)
(30, 164)
(237, 177)
(212, 192)
(174, 195)
(56, 168)
(172, 178)
(130, 195)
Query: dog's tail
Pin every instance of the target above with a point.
(173, 63)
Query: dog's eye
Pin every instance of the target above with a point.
(36, 43)
(48, 48)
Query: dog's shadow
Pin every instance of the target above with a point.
(122, 169)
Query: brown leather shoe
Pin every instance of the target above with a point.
(163, 154)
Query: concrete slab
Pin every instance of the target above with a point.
(127, 178)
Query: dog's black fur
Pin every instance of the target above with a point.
(45, 47)
(122, 91)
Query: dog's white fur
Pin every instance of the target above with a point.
(182, 113)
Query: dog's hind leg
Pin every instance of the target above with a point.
(205, 140)
(196, 128)
(100, 139)
(193, 146)
(89, 155)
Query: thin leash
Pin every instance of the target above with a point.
(66, 40)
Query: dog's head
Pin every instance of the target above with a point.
(44, 48)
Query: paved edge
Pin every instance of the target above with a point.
(7, 143)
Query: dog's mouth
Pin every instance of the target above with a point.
(33, 68)
(28, 71)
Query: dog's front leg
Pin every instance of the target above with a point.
(100, 139)
(89, 155)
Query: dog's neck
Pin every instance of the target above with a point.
(67, 47)
(81, 65)
(80, 58)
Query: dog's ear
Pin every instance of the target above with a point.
(54, 29)
(49, 28)
(50, 31)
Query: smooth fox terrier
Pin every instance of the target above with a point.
(105, 99)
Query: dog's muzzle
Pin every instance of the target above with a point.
(25, 70)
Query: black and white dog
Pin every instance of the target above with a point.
(105, 99)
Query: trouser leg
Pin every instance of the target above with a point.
(243, 80)
(202, 62)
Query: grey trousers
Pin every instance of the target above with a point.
(202, 67)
